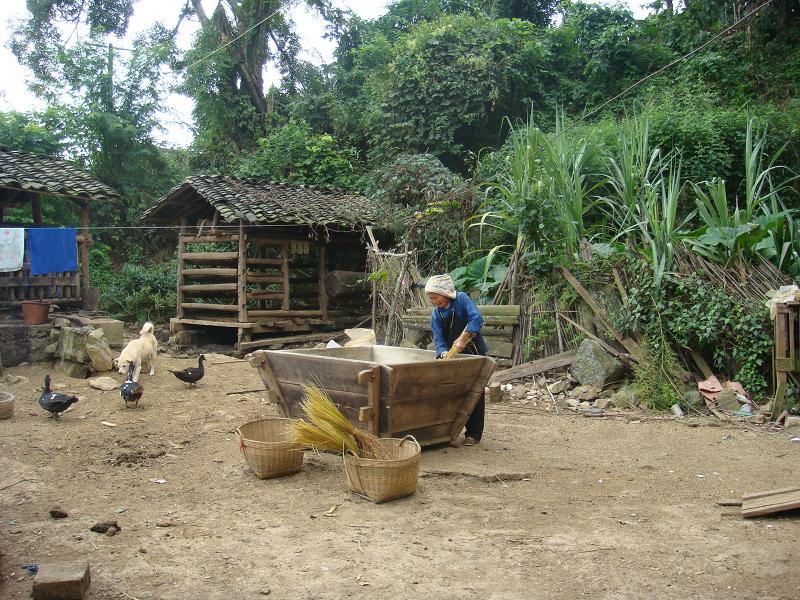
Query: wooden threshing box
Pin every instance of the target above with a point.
(391, 392)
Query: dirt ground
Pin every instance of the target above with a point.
(547, 506)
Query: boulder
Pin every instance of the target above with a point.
(728, 401)
(602, 403)
(587, 392)
(99, 351)
(693, 399)
(594, 366)
(105, 384)
(558, 386)
(73, 344)
(792, 422)
(625, 398)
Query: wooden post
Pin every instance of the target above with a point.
(36, 209)
(372, 378)
(323, 293)
(87, 240)
(285, 273)
(243, 335)
(781, 364)
(181, 262)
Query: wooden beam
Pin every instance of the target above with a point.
(181, 267)
(36, 210)
(210, 257)
(372, 378)
(293, 339)
(210, 239)
(241, 275)
(210, 307)
(210, 287)
(285, 273)
(265, 278)
(210, 272)
(323, 293)
(535, 367)
(84, 247)
(211, 322)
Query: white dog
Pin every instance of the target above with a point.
(145, 347)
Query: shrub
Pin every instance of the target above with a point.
(137, 293)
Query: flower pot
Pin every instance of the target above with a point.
(6, 405)
(35, 312)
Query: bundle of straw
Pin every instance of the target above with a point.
(328, 429)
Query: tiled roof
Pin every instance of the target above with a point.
(266, 202)
(42, 174)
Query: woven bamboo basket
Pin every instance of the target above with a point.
(268, 447)
(383, 480)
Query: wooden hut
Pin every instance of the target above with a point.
(266, 258)
(29, 180)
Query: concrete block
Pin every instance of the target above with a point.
(792, 422)
(113, 329)
(61, 581)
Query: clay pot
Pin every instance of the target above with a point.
(35, 312)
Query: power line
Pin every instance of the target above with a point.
(238, 37)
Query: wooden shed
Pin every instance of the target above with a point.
(267, 258)
(30, 180)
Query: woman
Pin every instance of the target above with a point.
(456, 321)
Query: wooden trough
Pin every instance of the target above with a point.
(388, 391)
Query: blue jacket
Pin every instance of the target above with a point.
(449, 323)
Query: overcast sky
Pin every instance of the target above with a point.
(14, 94)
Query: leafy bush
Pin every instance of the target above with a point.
(292, 153)
(135, 292)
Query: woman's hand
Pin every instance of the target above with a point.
(462, 341)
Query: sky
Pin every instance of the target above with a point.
(176, 121)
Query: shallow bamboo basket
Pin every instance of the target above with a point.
(268, 447)
(383, 480)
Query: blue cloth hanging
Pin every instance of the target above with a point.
(53, 250)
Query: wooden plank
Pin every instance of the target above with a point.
(285, 313)
(209, 239)
(323, 271)
(701, 364)
(210, 287)
(419, 321)
(285, 273)
(210, 307)
(294, 339)
(487, 310)
(84, 247)
(757, 495)
(259, 360)
(372, 378)
(210, 257)
(36, 281)
(241, 278)
(771, 504)
(180, 299)
(630, 345)
(535, 367)
(276, 262)
(500, 348)
(211, 323)
(210, 272)
(472, 398)
(266, 279)
(277, 295)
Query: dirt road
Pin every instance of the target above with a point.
(546, 507)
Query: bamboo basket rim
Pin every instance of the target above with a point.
(286, 444)
(380, 463)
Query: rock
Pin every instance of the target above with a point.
(594, 366)
(16, 379)
(588, 392)
(728, 401)
(693, 399)
(573, 402)
(112, 531)
(792, 422)
(99, 351)
(73, 344)
(602, 403)
(585, 405)
(105, 384)
(57, 513)
(495, 394)
(52, 349)
(625, 398)
(73, 369)
(558, 386)
(104, 526)
(61, 581)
